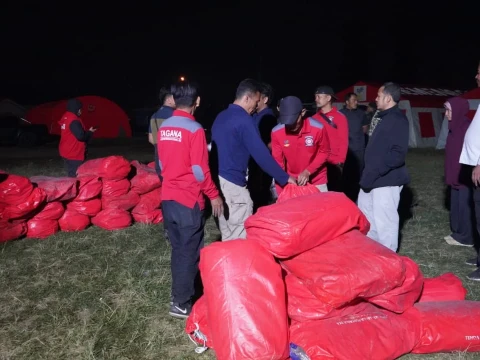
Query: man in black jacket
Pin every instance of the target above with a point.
(385, 172)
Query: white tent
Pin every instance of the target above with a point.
(11, 108)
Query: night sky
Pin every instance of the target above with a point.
(127, 50)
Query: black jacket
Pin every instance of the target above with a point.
(386, 151)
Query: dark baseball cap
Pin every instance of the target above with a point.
(327, 90)
(290, 108)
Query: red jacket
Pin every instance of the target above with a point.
(338, 136)
(307, 150)
(70, 148)
(183, 157)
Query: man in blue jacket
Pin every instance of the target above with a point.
(385, 172)
(236, 138)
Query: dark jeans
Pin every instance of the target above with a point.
(461, 215)
(334, 175)
(72, 166)
(185, 228)
(352, 172)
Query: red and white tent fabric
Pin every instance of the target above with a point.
(422, 106)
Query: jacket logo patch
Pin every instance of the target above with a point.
(308, 140)
(171, 135)
(62, 127)
(286, 143)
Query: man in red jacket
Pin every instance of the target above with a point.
(73, 137)
(183, 159)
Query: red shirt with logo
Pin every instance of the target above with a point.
(337, 134)
(307, 150)
(183, 156)
(70, 147)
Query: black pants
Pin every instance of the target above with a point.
(185, 228)
(334, 175)
(72, 166)
(352, 172)
(476, 200)
(157, 162)
(259, 186)
(461, 215)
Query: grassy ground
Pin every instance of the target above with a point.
(104, 295)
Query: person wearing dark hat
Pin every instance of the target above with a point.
(73, 137)
(300, 145)
(337, 129)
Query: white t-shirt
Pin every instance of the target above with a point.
(471, 144)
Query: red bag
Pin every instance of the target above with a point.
(154, 217)
(111, 168)
(446, 287)
(41, 229)
(149, 202)
(112, 219)
(89, 187)
(124, 202)
(73, 221)
(14, 189)
(246, 305)
(348, 267)
(304, 306)
(90, 207)
(25, 208)
(12, 231)
(292, 191)
(50, 211)
(403, 297)
(197, 325)
(56, 188)
(297, 225)
(449, 326)
(372, 334)
(115, 187)
(145, 179)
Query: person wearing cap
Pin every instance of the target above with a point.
(300, 145)
(73, 137)
(336, 126)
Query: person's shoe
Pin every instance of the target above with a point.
(180, 312)
(451, 241)
(472, 261)
(475, 276)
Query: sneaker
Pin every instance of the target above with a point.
(472, 261)
(180, 312)
(475, 276)
(451, 241)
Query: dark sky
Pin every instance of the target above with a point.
(127, 50)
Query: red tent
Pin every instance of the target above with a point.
(111, 120)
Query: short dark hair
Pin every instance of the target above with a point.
(164, 92)
(349, 95)
(184, 93)
(247, 87)
(267, 91)
(393, 90)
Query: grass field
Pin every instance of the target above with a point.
(104, 295)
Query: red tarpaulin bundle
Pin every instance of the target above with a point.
(50, 211)
(446, 287)
(14, 189)
(112, 219)
(297, 225)
(12, 230)
(124, 202)
(292, 191)
(197, 326)
(41, 228)
(145, 179)
(90, 207)
(73, 221)
(115, 187)
(153, 217)
(56, 188)
(246, 303)
(25, 208)
(111, 168)
(89, 187)
(148, 202)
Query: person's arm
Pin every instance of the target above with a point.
(277, 152)
(80, 134)
(150, 138)
(398, 148)
(322, 154)
(365, 123)
(342, 129)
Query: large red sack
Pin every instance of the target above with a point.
(292, 191)
(73, 221)
(111, 168)
(56, 188)
(246, 303)
(90, 207)
(124, 202)
(197, 327)
(14, 189)
(446, 287)
(12, 231)
(25, 208)
(404, 296)
(149, 202)
(348, 267)
(41, 229)
(112, 219)
(89, 187)
(448, 326)
(297, 225)
(153, 217)
(374, 334)
(115, 187)
(145, 179)
(50, 211)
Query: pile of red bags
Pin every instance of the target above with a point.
(108, 192)
(308, 280)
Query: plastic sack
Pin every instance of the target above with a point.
(246, 303)
(50, 211)
(14, 189)
(89, 207)
(112, 219)
(153, 217)
(41, 229)
(124, 202)
(404, 296)
(448, 326)
(73, 221)
(111, 168)
(197, 326)
(12, 231)
(89, 187)
(349, 267)
(148, 202)
(297, 225)
(372, 334)
(115, 187)
(145, 179)
(446, 287)
(26, 207)
(56, 188)
(292, 191)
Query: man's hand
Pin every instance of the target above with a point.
(303, 177)
(476, 175)
(291, 180)
(92, 129)
(217, 206)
